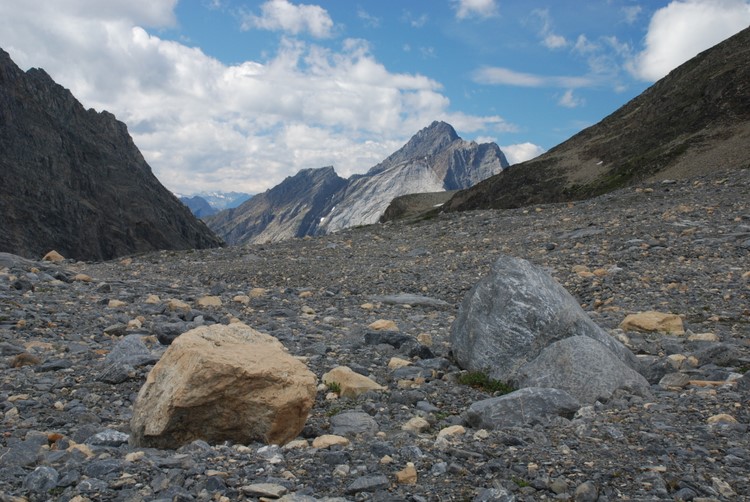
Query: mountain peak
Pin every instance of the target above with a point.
(428, 141)
(439, 128)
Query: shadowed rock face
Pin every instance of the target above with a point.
(318, 201)
(693, 121)
(73, 180)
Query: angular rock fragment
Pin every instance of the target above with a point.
(529, 406)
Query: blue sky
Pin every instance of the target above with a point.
(238, 94)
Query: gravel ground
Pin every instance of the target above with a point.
(679, 247)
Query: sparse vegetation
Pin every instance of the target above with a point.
(480, 380)
(334, 387)
(521, 483)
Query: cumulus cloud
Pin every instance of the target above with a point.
(684, 28)
(475, 8)
(205, 125)
(281, 15)
(521, 152)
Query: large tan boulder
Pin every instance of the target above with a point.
(220, 383)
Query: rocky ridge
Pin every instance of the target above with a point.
(696, 117)
(374, 299)
(318, 201)
(73, 180)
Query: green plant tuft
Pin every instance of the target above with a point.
(334, 387)
(521, 483)
(480, 380)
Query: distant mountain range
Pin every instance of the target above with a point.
(72, 179)
(694, 120)
(318, 201)
(209, 203)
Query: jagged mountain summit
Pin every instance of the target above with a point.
(693, 121)
(318, 201)
(72, 179)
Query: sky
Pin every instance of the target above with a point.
(236, 95)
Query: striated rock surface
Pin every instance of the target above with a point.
(73, 180)
(318, 201)
(513, 314)
(223, 383)
(518, 324)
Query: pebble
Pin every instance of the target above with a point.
(65, 404)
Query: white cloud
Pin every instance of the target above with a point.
(568, 100)
(414, 21)
(550, 39)
(475, 8)
(553, 41)
(684, 28)
(521, 152)
(584, 46)
(631, 13)
(205, 125)
(281, 15)
(504, 76)
(369, 19)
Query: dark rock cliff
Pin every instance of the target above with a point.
(73, 180)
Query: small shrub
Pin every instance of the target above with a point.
(334, 387)
(480, 380)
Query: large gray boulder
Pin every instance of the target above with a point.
(582, 367)
(512, 316)
(529, 406)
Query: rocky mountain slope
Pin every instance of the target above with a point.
(319, 201)
(694, 120)
(73, 180)
(293, 208)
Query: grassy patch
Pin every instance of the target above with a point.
(480, 380)
(334, 387)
